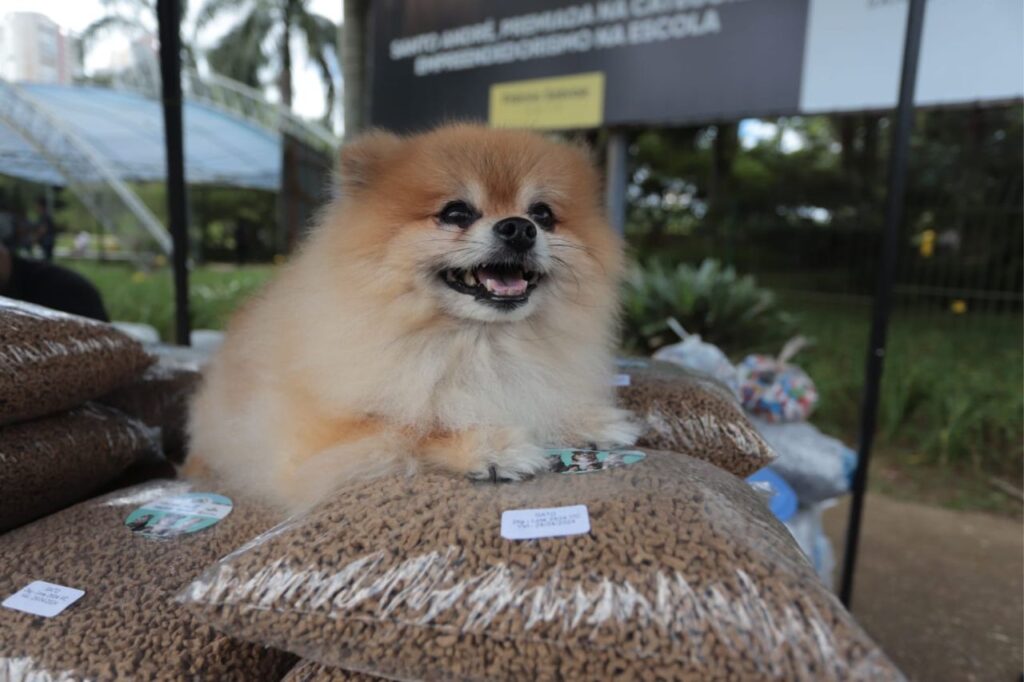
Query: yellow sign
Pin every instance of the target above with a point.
(549, 103)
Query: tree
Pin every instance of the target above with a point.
(263, 38)
(133, 18)
(353, 64)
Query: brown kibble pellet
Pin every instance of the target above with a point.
(48, 463)
(309, 671)
(160, 398)
(127, 626)
(684, 575)
(51, 361)
(693, 414)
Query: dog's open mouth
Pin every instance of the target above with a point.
(506, 285)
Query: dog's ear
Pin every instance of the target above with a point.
(363, 159)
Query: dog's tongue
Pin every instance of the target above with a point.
(502, 283)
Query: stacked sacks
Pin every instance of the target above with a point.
(51, 462)
(114, 564)
(87, 590)
(700, 356)
(774, 389)
(689, 412)
(779, 396)
(816, 466)
(819, 469)
(56, 446)
(654, 566)
(160, 399)
(52, 361)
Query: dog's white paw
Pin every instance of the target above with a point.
(513, 463)
(619, 430)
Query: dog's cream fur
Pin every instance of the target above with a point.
(358, 359)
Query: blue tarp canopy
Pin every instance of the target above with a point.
(128, 131)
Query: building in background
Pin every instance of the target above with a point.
(34, 49)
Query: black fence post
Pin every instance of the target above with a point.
(898, 156)
(169, 18)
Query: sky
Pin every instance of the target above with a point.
(75, 15)
(752, 131)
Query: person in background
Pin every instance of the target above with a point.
(46, 229)
(49, 285)
(82, 241)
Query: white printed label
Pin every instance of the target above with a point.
(43, 599)
(620, 380)
(554, 522)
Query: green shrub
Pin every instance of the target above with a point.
(730, 311)
(950, 393)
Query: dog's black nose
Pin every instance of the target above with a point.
(518, 234)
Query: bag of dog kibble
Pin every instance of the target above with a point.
(48, 463)
(628, 565)
(160, 398)
(88, 593)
(309, 671)
(51, 361)
(690, 413)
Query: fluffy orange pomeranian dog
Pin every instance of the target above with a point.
(454, 307)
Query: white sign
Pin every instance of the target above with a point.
(553, 522)
(971, 50)
(41, 598)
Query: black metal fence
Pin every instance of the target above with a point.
(961, 244)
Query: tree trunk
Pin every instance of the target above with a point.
(723, 152)
(288, 193)
(352, 55)
(285, 81)
(847, 125)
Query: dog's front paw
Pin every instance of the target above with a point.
(612, 429)
(513, 463)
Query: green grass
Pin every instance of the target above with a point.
(951, 393)
(137, 296)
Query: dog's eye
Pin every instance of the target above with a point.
(458, 213)
(542, 214)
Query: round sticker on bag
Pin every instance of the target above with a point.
(572, 461)
(170, 517)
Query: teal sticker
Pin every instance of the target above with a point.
(170, 517)
(575, 461)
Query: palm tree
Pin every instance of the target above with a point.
(353, 64)
(134, 18)
(131, 17)
(243, 51)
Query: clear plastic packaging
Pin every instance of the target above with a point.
(679, 572)
(816, 466)
(700, 356)
(809, 533)
(127, 625)
(51, 361)
(309, 671)
(160, 398)
(691, 413)
(48, 463)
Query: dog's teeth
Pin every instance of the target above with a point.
(469, 279)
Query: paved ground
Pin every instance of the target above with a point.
(941, 591)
